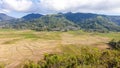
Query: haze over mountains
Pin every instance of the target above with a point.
(62, 22)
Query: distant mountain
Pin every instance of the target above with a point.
(32, 16)
(65, 22)
(94, 22)
(47, 22)
(77, 17)
(115, 19)
(4, 17)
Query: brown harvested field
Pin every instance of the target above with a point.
(24, 50)
(18, 46)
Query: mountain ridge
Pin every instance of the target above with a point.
(32, 16)
(85, 21)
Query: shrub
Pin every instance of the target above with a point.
(88, 58)
(115, 44)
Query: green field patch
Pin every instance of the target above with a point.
(78, 32)
(111, 35)
(72, 49)
(50, 36)
(41, 35)
(13, 41)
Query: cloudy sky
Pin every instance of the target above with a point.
(18, 8)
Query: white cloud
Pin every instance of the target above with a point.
(95, 6)
(52, 6)
(4, 11)
(16, 5)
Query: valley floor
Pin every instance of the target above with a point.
(16, 47)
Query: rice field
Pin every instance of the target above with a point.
(18, 46)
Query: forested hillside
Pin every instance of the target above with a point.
(65, 22)
(45, 23)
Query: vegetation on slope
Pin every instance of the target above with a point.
(85, 58)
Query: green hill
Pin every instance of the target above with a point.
(48, 22)
(94, 22)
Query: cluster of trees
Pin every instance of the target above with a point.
(89, 58)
